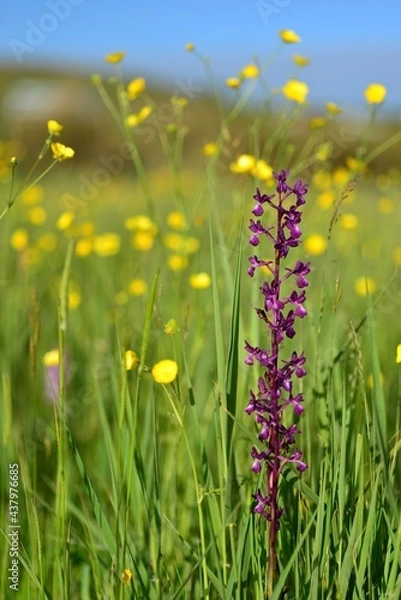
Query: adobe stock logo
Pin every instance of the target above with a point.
(36, 33)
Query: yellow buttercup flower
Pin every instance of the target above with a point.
(61, 152)
(333, 108)
(349, 221)
(107, 244)
(171, 327)
(398, 355)
(324, 151)
(54, 128)
(397, 256)
(177, 262)
(126, 576)
(200, 281)
(140, 223)
(244, 164)
(385, 206)
(210, 149)
(250, 71)
(315, 244)
(289, 36)
(114, 57)
(341, 176)
(364, 286)
(262, 170)
(37, 215)
(51, 358)
(47, 242)
(356, 165)
(86, 229)
(189, 47)
(295, 90)
(65, 220)
(143, 240)
(176, 220)
(165, 371)
(233, 82)
(325, 199)
(300, 61)
(135, 88)
(321, 180)
(317, 122)
(19, 240)
(135, 120)
(74, 299)
(33, 195)
(137, 287)
(84, 247)
(130, 360)
(375, 93)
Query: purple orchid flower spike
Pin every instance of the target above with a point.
(279, 314)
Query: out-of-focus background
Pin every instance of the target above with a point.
(51, 47)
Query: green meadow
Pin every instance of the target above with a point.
(125, 305)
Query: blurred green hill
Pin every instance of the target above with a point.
(29, 97)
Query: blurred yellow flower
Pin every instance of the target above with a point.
(179, 101)
(397, 256)
(321, 180)
(383, 182)
(140, 223)
(61, 152)
(171, 327)
(191, 245)
(143, 240)
(86, 229)
(315, 244)
(37, 215)
(295, 90)
(65, 220)
(289, 36)
(375, 93)
(54, 128)
(349, 221)
(233, 82)
(33, 195)
(135, 88)
(262, 170)
(84, 247)
(121, 298)
(137, 287)
(245, 163)
(189, 47)
(114, 57)
(126, 576)
(174, 241)
(364, 285)
(325, 199)
(385, 205)
(74, 299)
(200, 281)
(107, 244)
(341, 176)
(19, 240)
(356, 165)
(165, 371)
(130, 360)
(176, 220)
(14, 161)
(135, 120)
(333, 108)
(177, 262)
(317, 122)
(300, 61)
(250, 71)
(324, 151)
(398, 355)
(51, 358)
(47, 242)
(210, 149)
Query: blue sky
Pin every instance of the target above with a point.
(351, 43)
